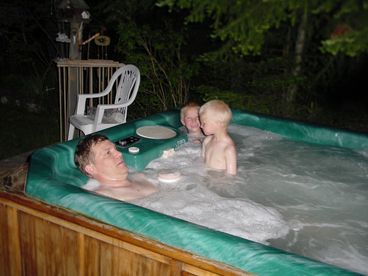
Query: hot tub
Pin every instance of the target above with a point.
(54, 179)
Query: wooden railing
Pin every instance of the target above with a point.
(38, 239)
(78, 77)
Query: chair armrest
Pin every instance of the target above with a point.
(93, 95)
(81, 104)
(112, 106)
(101, 110)
(82, 98)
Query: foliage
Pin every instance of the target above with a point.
(297, 33)
(234, 100)
(161, 64)
(242, 51)
(157, 47)
(350, 29)
(243, 25)
(23, 131)
(352, 43)
(27, 30)
(27, 33)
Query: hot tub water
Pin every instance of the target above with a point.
(306, 199)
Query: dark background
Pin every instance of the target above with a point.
(330, 88)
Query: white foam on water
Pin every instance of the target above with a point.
(191, 199)
(303, 198)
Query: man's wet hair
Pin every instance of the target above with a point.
(83, 153)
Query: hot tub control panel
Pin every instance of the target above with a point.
(128, 141)
(147, 149)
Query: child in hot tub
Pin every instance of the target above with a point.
(97, 157)
(218, 149)
(189, 117)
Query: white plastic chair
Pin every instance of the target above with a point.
(127, 80)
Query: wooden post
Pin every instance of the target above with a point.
(76, 30)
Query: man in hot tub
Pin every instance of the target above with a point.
(97, 157)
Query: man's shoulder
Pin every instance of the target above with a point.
(91, 185)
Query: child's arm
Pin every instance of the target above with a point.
(230, 158)
(205, 142)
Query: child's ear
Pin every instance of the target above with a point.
(182, 122)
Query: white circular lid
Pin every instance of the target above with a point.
(156, 132)
(169, 176)
(133, 149)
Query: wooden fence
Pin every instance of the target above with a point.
(79, 77)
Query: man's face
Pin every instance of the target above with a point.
(191, 119)
(108, 162)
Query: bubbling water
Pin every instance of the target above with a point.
(303, 198)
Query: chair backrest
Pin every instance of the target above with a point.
(127, 84)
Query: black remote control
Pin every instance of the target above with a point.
(126, 142)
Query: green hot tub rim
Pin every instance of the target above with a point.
(54, 179)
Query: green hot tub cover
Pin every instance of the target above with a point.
(54, 178)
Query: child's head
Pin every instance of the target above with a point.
(189, 117)
(217, 112)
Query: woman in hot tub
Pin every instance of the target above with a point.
(97, 157)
